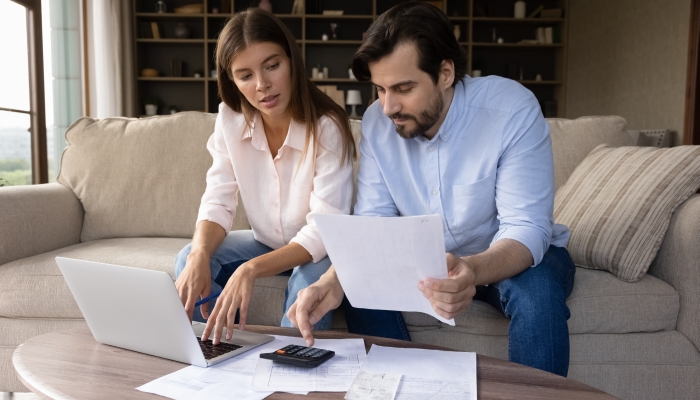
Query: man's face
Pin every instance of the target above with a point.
(407, 94)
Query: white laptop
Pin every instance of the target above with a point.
(140, 310)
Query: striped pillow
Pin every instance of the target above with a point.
(618, 204)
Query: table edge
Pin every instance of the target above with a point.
(33, 383)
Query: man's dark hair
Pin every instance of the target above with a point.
(413, 22)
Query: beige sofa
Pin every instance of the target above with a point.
(128, 194)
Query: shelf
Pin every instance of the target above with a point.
(346, 16)
(172, 79)
(519, 20)
(332, 42)
(541, 46)
(168, 15)
(459, 18)
(181, 41)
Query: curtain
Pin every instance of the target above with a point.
(113, 84)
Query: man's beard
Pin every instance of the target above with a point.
(425, 121)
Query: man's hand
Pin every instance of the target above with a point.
(194, 282)
(235, 295)
(314, 302)
(449, 297)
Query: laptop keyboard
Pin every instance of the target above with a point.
(211, 351)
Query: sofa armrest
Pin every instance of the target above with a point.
(35, 219)
(678, 264)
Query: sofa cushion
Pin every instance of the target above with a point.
(33, 287)
(618, 204)
(573, 139)
(599, 303)
(139, 177)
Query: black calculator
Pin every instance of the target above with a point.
(300, 356)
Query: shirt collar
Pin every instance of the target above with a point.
(296, 135)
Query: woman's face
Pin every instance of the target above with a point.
(262, 72)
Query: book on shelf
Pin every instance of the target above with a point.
(145, 31)
(155, 30)
(336, 95)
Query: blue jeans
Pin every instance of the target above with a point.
(239, 247)
(534, 301)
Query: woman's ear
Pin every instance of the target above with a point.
(447, 74)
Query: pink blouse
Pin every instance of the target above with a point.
(280, 196)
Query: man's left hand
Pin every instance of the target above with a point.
(449, 297)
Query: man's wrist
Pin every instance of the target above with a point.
(472, 266)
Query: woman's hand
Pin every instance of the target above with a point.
(195, 282)
(236, 295)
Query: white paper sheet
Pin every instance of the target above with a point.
(335, 375)
(230, 378)
(373, 386)
(380, 260)
(426, 374)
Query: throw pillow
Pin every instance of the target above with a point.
(618, 203)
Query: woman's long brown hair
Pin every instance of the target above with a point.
(307, 103)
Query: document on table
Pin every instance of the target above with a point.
(426, 374)
(373, 386)
(335, 375)
(380, 260)
(230, 379)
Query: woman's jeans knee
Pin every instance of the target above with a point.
(239, 247)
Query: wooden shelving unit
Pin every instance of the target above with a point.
(477, 20)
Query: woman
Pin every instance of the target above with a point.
(288, 149)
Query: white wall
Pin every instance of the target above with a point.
(629, 58)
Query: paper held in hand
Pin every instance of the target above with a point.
(380, 260)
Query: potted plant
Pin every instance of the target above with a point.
(173, 109)
(198, 73)
(151, 104)
(4, 182)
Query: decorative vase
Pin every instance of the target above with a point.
(458, 32)
(519, 9)
(182, 31)
(151, 109)
(265, 5)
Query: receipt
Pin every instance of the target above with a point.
(373, 386)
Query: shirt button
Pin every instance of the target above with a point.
(277, 231)
(274, 204)
(435, 192)
(274, 176)
(431, 148)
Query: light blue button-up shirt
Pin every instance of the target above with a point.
(488, 171)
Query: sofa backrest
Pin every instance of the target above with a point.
(146, 177)
(138, 177)
(573, 139)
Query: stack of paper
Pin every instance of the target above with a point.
(234, 378)
(426, 374)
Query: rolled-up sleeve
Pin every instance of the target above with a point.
(332, 187)
(221, 195)
(525, 179)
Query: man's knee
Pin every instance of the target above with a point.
(534, 294)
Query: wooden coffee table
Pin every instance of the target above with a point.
(71, 364)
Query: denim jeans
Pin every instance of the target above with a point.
(535, 302)
(239, 247)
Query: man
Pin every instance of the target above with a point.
(477, 152)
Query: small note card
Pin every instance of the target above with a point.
(373, 386)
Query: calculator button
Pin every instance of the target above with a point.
(281, 352)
